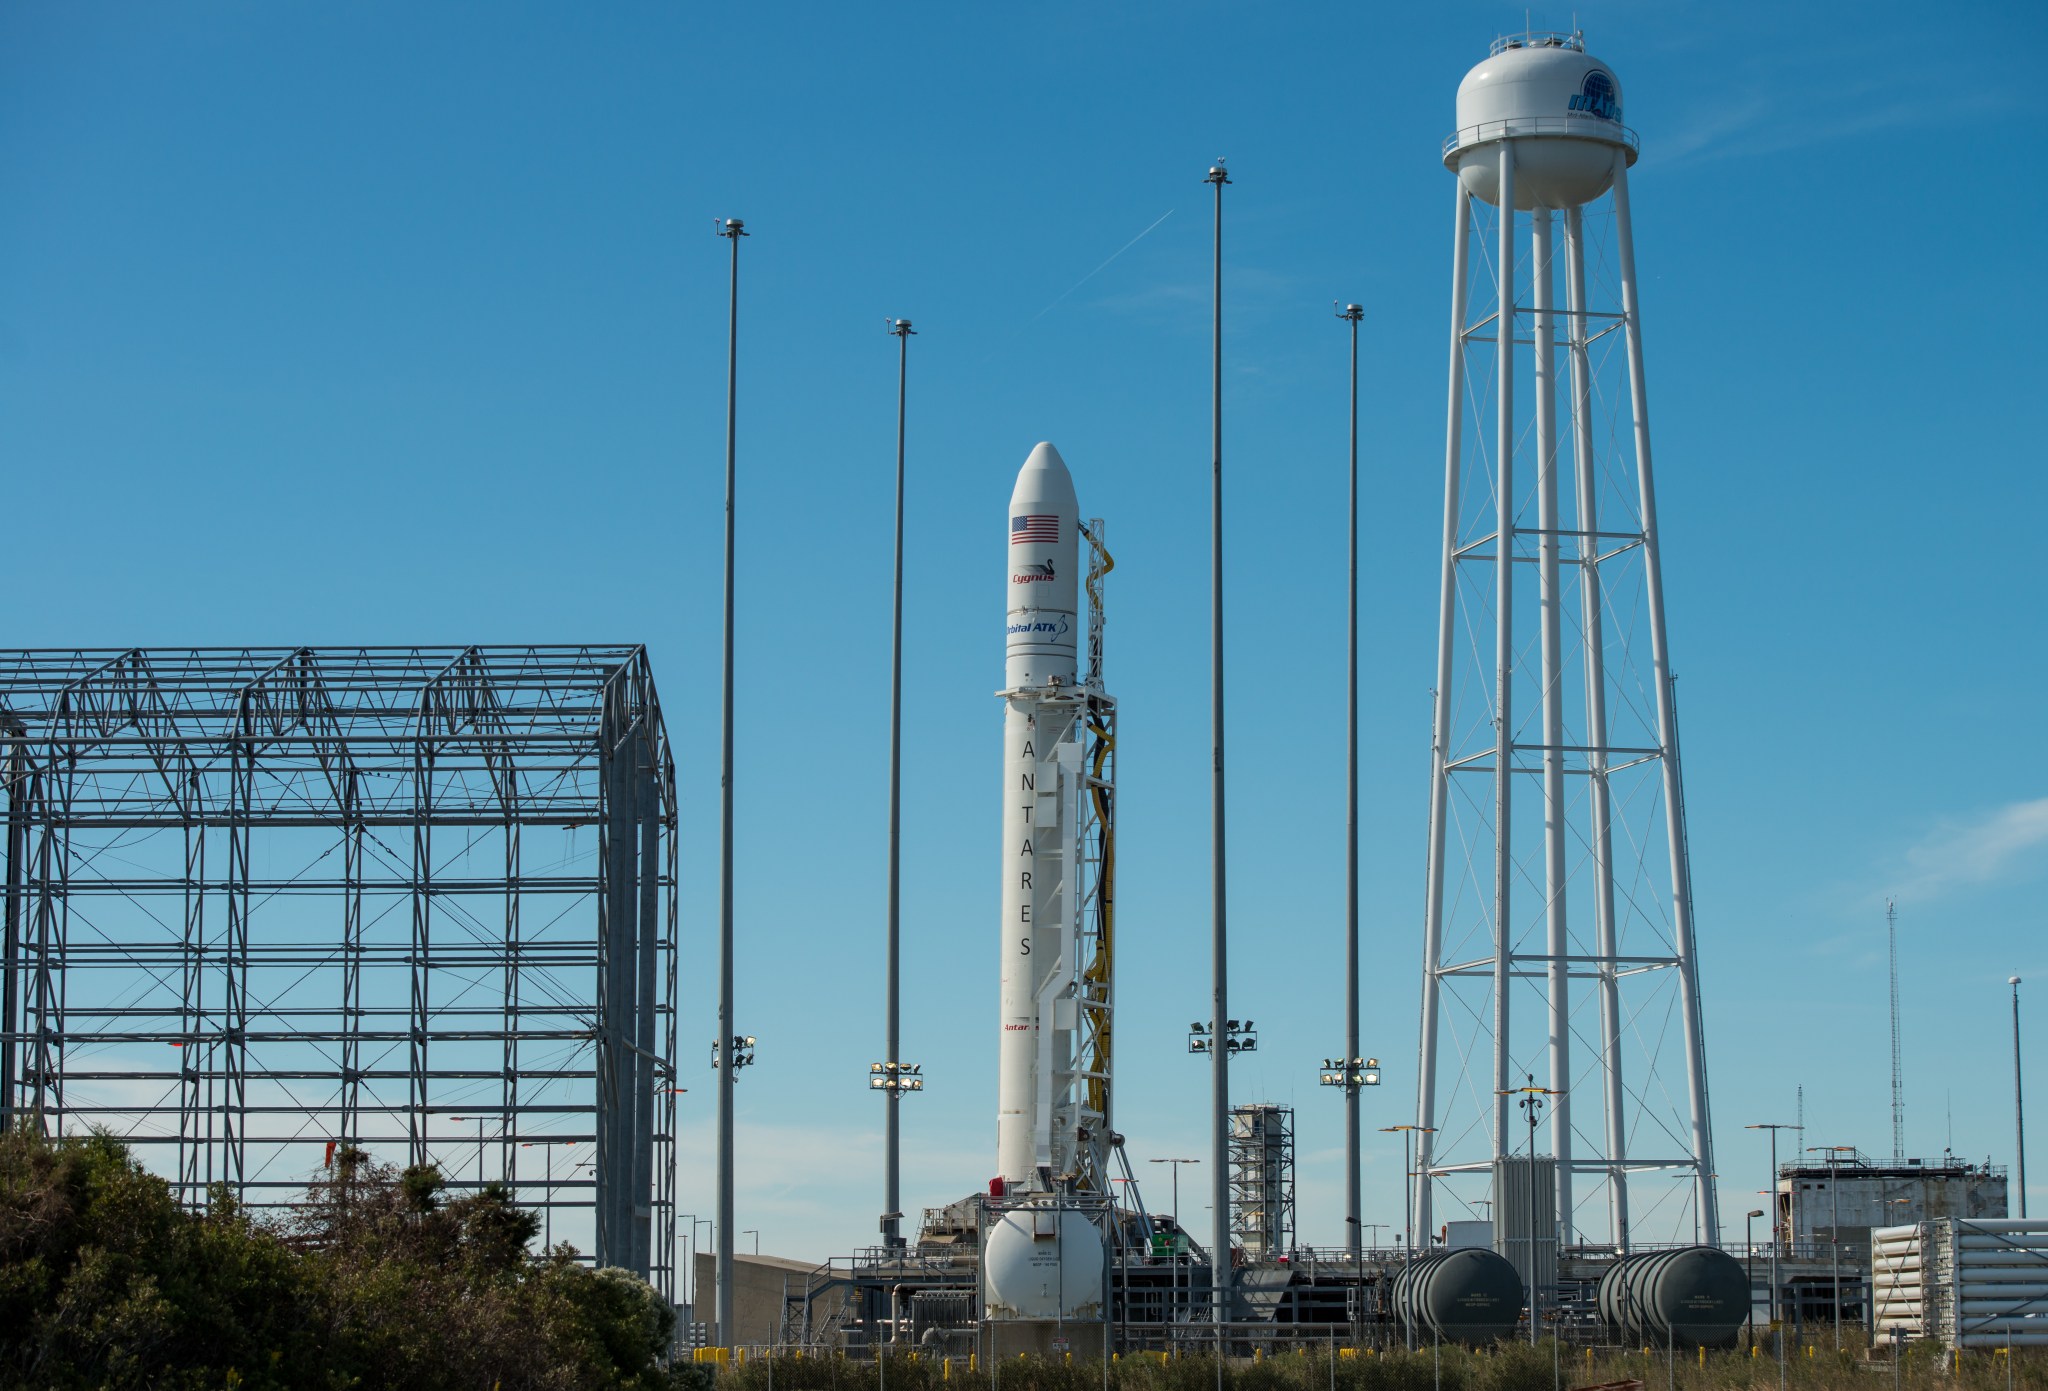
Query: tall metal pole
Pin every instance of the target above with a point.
(1891, 934)
(1773, 1128)
(1835, 1237)
(1834, 1153)
(1408, 1132)
(2019, 1100)
(1219, 939)
(1351, 314)
(732, 229)
(892, 1098)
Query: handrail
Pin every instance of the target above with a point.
(1538, 38)
(1581, 127)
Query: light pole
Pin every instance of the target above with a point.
(548, 1211)
(696, 1222)
(1834, 1154)
(1219, 923)
(689, 1272)
(1351, 314)
(732, 229)
(1408, 1133)
(893, 1079)
(1749, 1230)
(2019, 1099)
(1173, 1314)
(892, 1196)
(1533, 1098)
(480, 1123)
(755, 1233)
(1352, 1072)
(1777, 1222)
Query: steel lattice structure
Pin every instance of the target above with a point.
(1558, 931)
(418, 899)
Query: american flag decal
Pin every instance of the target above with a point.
(1037, 529)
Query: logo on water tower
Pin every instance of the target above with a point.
(1597, 97)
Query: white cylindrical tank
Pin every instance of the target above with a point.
(1043, 1263)
(1559, 106)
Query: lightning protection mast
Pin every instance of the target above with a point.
(1559, 900)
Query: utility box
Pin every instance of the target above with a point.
(1525, 1221)
(1459, 1235)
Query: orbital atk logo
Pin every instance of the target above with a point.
(1597, 97)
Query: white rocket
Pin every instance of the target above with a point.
(1042, 1258)
(1042, 780)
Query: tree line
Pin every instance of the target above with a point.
(379, 1278)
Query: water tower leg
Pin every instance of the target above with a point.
(1591, 621)
(1439, 786)
(1503, 648)
(1667, 724)
(1557, 970)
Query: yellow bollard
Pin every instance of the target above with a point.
(970, 1361)
(1703, 1354)
(946, 1372)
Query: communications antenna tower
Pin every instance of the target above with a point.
(1891, 932)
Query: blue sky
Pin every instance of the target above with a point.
(393, 323)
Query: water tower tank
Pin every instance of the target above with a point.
(1562, 109)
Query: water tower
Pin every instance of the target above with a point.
(1558, 928)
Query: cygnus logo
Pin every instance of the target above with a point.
(1597, 97)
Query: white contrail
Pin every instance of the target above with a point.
(1099, 269)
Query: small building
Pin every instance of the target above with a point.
(1822, 1204)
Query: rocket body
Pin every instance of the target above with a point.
(1042, 784)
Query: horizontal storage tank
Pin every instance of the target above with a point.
(1691, 1297)
(1469, 1296)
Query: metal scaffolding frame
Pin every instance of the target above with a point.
(260, 902)
(1262, 1181)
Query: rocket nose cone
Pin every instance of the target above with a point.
(1043, 455)
(1045, 477)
